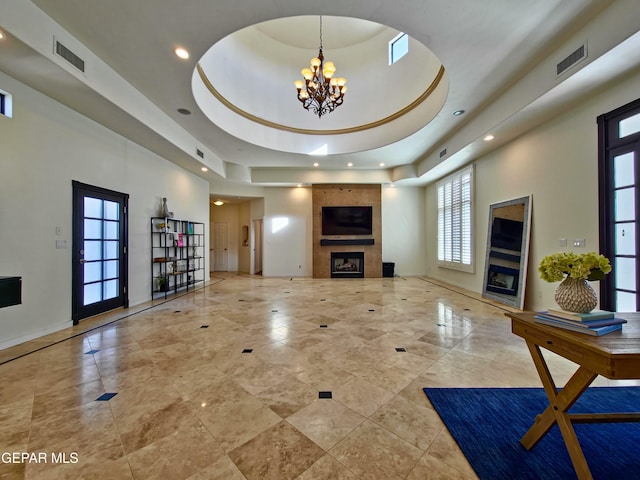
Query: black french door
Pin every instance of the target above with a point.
(619, 177)
(99, 272)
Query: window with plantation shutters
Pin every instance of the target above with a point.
(455, 202)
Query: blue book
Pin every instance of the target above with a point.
(586, 323)
(595, 331)
(581, 317)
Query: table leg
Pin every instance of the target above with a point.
(556, 412)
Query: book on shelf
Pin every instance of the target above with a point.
(581, 317)
(575, 327)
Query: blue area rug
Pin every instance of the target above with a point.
(487, 424)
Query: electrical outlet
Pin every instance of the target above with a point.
(562, 242)
(579, 242)
(61, 244)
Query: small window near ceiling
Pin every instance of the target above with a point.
(5, 104)
(398, 48)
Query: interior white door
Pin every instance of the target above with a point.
(220, 252)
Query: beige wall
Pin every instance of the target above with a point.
(556, 163)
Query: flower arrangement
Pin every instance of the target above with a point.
(581, 266)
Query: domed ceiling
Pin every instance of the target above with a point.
(244, 85)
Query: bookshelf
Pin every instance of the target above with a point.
(177, 255)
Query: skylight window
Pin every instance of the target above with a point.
(398, 48)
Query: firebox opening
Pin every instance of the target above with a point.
(347, 264)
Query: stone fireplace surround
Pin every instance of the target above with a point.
(369, 245)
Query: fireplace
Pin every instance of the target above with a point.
(347, 264)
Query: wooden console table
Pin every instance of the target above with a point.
(615, 356)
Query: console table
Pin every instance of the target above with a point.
(615, 356)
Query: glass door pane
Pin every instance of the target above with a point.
(101, 240)
(625, 262)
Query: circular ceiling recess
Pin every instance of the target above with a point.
(244, 84)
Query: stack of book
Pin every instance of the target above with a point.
(598, 322)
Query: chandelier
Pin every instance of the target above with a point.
(320, 92)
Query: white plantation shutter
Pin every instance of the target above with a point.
(455, 199)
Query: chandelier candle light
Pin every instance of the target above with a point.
(320, 92)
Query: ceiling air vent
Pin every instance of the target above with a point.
(200, 153)
(69, 56)
(572, 59)
(443, 153)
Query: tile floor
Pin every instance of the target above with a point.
(226, 383)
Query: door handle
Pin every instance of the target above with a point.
(82, 260)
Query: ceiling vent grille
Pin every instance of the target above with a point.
(572, 59)
(69, 56)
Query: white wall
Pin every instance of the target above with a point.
(288, 226)
(403, 229)
(44, 147)
(556, 163)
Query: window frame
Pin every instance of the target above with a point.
(392, 43)
(6, 104)
(611, 145)
(455, 257)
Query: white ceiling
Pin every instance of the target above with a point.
(134, 84)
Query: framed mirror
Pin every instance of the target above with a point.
(505, 272)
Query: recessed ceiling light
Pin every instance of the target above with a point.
(218, 202)
(315, 164)
(182, 53)
(392, 185)
(204, 169)
(382, 164)
(2, 36)
(299, 185)
(457, 113)
(184, 111)
(488, 138)
(349, 164)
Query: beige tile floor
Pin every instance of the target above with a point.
(191, 405)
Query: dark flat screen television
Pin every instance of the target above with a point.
(506, 234)
(347, 220)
